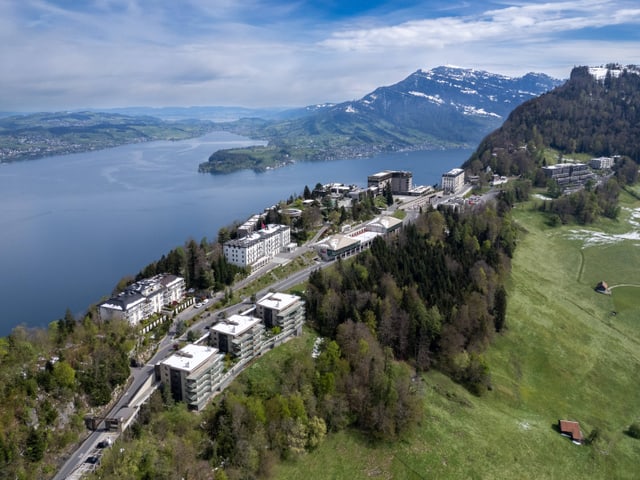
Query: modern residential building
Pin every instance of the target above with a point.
(128, 306)
(601, 163)
(238, 335)
(399, 181)
(256, 249)
(144, 298)
(569, 175)
(281, 310)
(192, 374)
(453, 180)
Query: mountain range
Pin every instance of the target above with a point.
(439, 108)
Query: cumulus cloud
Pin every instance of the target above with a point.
(106, 53)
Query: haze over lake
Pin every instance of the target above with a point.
(72, 226)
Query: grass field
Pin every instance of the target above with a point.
(565, 354)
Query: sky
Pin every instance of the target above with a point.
(72, 54)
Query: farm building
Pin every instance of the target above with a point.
(571, 429)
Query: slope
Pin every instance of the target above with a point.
(563, 356)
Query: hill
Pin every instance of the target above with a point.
(443, 107)
(39, 135)
(596, 112)
(564, 354)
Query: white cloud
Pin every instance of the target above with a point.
(197, 52)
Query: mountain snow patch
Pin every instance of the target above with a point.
(350, 109)
(434, 99)
(591, 238)
(469, 110)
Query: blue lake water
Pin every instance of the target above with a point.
(72, 226)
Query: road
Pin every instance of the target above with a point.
(77, 465)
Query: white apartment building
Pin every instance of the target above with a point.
(256, 249)
(282, 310)
(192, 374)
(238, 335)
(453, 180)
(601, 163)
(400, 181)
(142, 299)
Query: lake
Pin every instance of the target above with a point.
(72, 226)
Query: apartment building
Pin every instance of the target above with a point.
(399, 181)
(569, 175)
(256, 249)
(453, 181)
(143, 299)
(192, 374)
(238, 335)
(281, 310)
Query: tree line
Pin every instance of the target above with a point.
(434, 296)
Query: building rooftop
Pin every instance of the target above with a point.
(123, 301)
(383, 173)
(571, 428)
(564, 165)
(386, 222)
(235, 324)
(277, 301)
(256, 236)
(338, 242)
(455, 171)
(190, 357)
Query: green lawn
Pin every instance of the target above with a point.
(564, 355)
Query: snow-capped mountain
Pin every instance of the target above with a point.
(445, 104)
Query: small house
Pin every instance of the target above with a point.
(571, 429)
(602, 287)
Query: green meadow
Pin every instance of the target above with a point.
(568, 352)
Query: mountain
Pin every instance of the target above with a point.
(443, 107)
(596, 112)
(476, 100)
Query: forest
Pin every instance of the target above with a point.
(50, 378)
(585, 115)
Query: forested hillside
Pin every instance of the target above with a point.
(599, 116)
(433, 297)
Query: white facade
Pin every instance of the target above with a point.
(282, 310)
(453, 180)
(238, 335)
(256, 249)
(400, 181)
(601, 163)
(192, 374)
(142, 299)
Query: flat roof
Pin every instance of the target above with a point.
(381, 174)
(235, 324)
(190, 357)
(277, 300)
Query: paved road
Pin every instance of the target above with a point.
(77, 465)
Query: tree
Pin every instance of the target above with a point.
(634, 430)
(307, 193)
(36, 444)
(500, 308)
